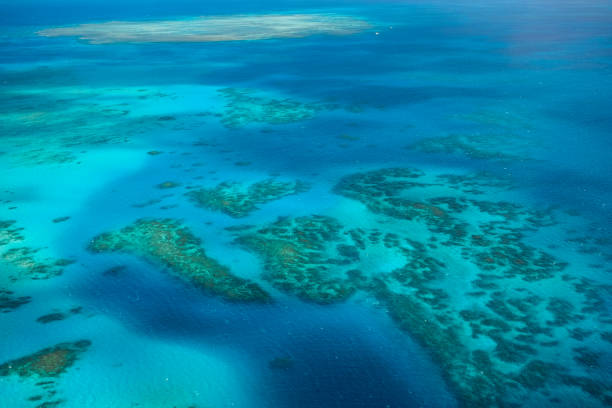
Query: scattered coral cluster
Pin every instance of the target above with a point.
(167, 243)
(24, 262)
(239, 199)
(493, 130)
(472, 145)
(310, 257)
(69, 120)
(243, 107)
(10, 302)
(48, 362)
(508, 322)
(9, 233)
(494, 311)
(44, 367)
(58, 316)
(505, 320)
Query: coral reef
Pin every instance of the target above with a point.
(9, 302)
(24, 262)
(498, 118)
(9, 234)
(114, 271)
(305, 256)
(239, 200)
(244, 107)
(51, 317)
(169, 244)
(70, 120)
(45, 367)
(281, 363)
(213, 28)
(474, 146)
(167, 185)
(482, 312)
(490, 130)
(47, 363)
(57, 316)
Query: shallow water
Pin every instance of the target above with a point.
(347, 204)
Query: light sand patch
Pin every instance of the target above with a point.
(210, 29)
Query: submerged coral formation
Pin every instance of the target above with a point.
(496, 331)
(23, 262)
(69, 119)
(58, 316)
(470, 287)
(9, 234)
(472, 145)
(239, 200)
(500, 135)
(306, 256)
(281, 363)
(213, 28)
(48, 362)
(44, 367)
(10, 302)
(168, 184)
(244, 106)
(168, 243)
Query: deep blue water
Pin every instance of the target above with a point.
(509, 98)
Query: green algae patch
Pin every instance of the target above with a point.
(245, 106)
(49, 362)
(166, 242)
(312, 257)
(239, 200)
(477, 293)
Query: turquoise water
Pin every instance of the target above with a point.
(305, 204)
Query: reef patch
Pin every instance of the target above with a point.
(166, 242)
(498, 334)
(239, 199)
(213, 28)
(245, 106)
(24, 262)
(45, 367)
(314, 258)
(10, 302)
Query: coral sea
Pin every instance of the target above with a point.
(305, 204)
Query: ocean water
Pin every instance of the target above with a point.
(305, 204)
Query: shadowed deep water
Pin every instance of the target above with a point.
(413, 214)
